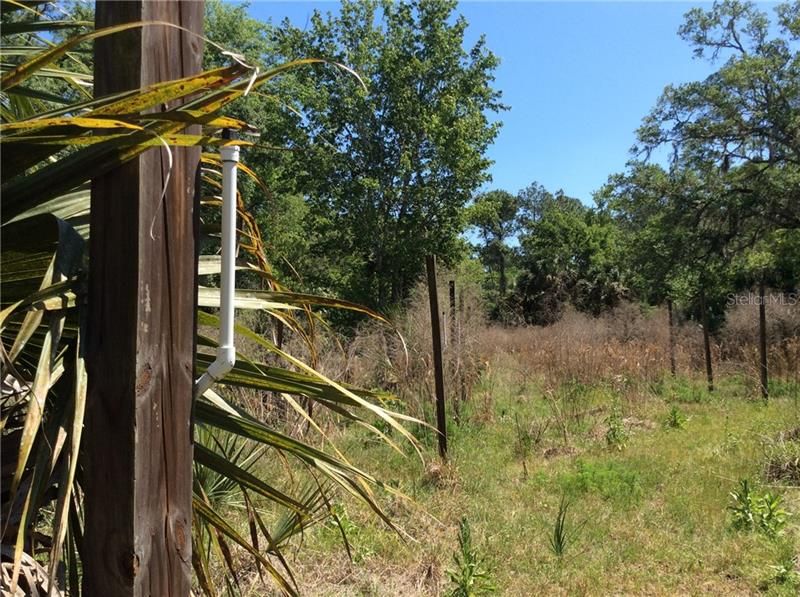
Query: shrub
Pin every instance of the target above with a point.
(403, 363)
(612, 480)
(739, 336)
(753, 512)
(616, 436)
(675, 419)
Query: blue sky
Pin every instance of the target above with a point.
(578, 76)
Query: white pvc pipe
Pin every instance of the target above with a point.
(226, 352)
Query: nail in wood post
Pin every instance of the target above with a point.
(762, 342)
(436, 335)
(141, 327)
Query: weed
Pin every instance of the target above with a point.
(524, 441)
(469, 576)
(568, 402)
(785, 573)
(731, 442)
(563, 535)
(782, 458)
(771, 517)
(616, 436)
(612, 480)
(742, 507)
(342, 524)
(757, 512)
(528, 437)
(675, 419)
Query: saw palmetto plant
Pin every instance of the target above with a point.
(55, 137)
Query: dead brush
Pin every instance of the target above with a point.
(782, 458)
(585, 349)
(629, 347)
(442, 475)
(739, 336)
(402, 363)
(529, 436)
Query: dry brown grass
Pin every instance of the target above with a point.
(631, 345)
(738, 339)
(586, 349)
(380, 358)
(627, 348)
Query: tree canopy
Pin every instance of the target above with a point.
(391, 163)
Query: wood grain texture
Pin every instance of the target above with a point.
(438, 369)
(140, 349)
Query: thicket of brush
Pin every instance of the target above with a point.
(632, 342)
(627, 347)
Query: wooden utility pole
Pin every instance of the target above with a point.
(141, 334)
(671, 324)
(706, 341)
(762, 342)
(436, 335)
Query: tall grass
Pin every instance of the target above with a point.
(630, 345)
(401, 360)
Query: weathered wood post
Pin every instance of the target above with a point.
(436, 336)
(671, 324)
(462, 381)
(762, 342)
(706, 340)
(141, 341)
(455, 350)
(453, 321)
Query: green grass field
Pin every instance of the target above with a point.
(647, 472)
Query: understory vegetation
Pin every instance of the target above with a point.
(653, 518)
(584, 471)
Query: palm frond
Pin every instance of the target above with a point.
(58, 139)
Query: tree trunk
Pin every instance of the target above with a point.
(762, 342)
(503, 280)
(707, 341)
(671, 324)
(141, 340)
